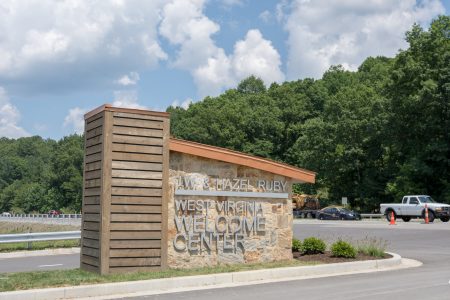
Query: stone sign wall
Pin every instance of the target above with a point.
(223, 213)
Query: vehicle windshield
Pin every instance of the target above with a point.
(344, 210)
(426, 199)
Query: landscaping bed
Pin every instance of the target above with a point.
(328, 258)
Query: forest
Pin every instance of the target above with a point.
(372, 135)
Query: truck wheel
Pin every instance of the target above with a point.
(431, 216)
(445, 219)
(406, 219)
(389, 214)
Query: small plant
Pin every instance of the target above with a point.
(343, 249)
(296, 245)
(372, 247)
(313, 245)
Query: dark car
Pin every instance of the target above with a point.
(337, 213)
(54, 212)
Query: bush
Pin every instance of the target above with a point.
(296, 245)
(343, 249)
(372, 247)
(313, 245)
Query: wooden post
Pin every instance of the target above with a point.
(125, 194)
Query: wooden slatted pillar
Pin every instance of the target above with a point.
(125, 193)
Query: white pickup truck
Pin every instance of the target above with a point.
(414, 206)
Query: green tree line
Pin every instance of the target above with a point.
(372, 135)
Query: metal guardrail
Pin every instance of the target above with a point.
(372, 216)
(42, 216)
(39, 236)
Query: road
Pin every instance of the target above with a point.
(40, 263)
(427, 243)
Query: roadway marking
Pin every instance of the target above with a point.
(46, 266)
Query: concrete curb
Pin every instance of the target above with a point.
(166, 285)
(57, 251)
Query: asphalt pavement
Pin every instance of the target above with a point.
(39, 263)
(429, 243)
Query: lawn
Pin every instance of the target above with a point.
(59, 278)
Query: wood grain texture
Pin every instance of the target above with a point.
(136, 174)
(165, 195)
(91, 200)
(94, 124)
(136, 209)
(87, 267)
(94, 141)
(139, 116)
(135, 252)
(123, 191)
(137, 140)
(138, 123)
(137, 131)
(95, 226)
(106, 192)
(92, 209)
(127, 200)
(135, 217)
(140, 166)
(133, 261)
(147, 149)
(91, 252)
(93, 166)
(131, 182)
(135, 235)
(91, 243)
(93, 261)
(94, 235)
(94, 132)
(135, 226)
(134, 244)
(138, 157)
(93, 174)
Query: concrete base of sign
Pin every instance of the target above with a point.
(180, 284)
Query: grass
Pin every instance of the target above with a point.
(372, 247)
(15, 227)
(59, 278)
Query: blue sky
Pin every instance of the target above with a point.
(59, 59)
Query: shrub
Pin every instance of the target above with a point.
(372, 247)
(296, 245)
(343, 249)
(313, 245)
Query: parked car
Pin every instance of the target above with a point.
(413, 206)
(54, 212)
(6, 214)
(337, 213)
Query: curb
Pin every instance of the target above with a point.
(57, 251)
(166, 285)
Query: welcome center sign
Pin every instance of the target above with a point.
(152, 202)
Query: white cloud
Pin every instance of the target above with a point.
(9, 117)
(127, 98)
(256, 56)
(185, 25)
(324, 33)
(50, 42)
(185, 104)
(75, 119)
(265, 16)
(129, 79)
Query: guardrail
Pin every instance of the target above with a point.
(372, 216)
(39, 236)
(42, 216)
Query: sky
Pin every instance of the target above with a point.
(60, 59)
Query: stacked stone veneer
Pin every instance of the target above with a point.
(272, 244)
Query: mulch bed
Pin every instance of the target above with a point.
(327, 258)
